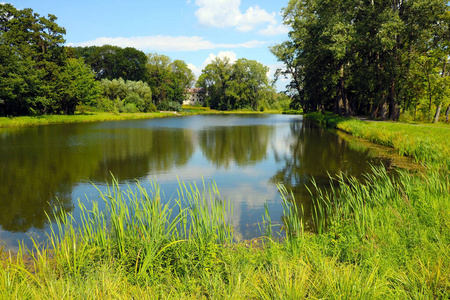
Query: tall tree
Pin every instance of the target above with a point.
(356, 56)
(32, 54)
(168, 79)
(76, 85)
(112, 62)
(234, 86)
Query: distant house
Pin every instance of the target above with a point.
(195, 96)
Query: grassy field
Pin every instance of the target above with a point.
(385, 238)
(77, 118)
(105, 116)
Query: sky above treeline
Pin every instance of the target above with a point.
(195, 31)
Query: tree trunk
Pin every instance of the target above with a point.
(384, 111)
(341, 103)
(394, 110)
(447, 113)
(374, 112)
(438, 112)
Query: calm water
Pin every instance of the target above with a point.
(246, 155)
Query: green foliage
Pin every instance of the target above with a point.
(31, 58)
(168, 79)
(169, 106)
(76, 85)
(243, 84)
(112, 62)
(372, 60)
(127, 96)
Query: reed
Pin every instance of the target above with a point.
(385, 237)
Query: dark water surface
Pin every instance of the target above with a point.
(246, 155)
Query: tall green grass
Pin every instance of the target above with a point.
(386, 237)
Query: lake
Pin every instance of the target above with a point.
(246, 155)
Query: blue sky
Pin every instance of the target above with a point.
(195, 31)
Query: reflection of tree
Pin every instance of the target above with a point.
(315, 153)
(40, 164)
(135, 152)
(243, 145)
(34, 171)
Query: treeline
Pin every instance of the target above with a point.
(39, 75)
(240, 85)
(376, 58)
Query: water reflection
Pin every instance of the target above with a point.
(243, 145)
(318, 154)
(40, 166)
(245, 155)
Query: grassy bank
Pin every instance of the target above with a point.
(386, 239)
(425, 143)
(77, 118)
(105, 116)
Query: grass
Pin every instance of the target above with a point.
(385, 239)
(105, 116)
(77, 118)
(426, 143)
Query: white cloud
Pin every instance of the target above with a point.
(274, 30)
(222, 54)
(197, 72)
(166, 43)
(198, 69)
(227, 13)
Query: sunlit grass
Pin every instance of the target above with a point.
(7, 122)
(426, 143)
(77, 118)
(385, 238)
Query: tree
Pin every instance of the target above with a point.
(182, 79)
(136, 94)
(32, 53)
(234, 86)
(168, 79)
(248, 80)
(214, 80)
(356, 56)
(75, 85)
(112, 62)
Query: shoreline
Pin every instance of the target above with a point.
(90, 117)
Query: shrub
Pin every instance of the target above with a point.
(169, 105)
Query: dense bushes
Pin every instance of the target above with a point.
(126, 96)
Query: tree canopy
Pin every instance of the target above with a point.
(168, 78)
(36, 76)
(112, 62)
(366, 57)
(234, 86)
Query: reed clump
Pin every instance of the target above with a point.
(386, 237)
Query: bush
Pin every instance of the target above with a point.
(130, 108)
(169, 106)
(150, 107)
(104, 104)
